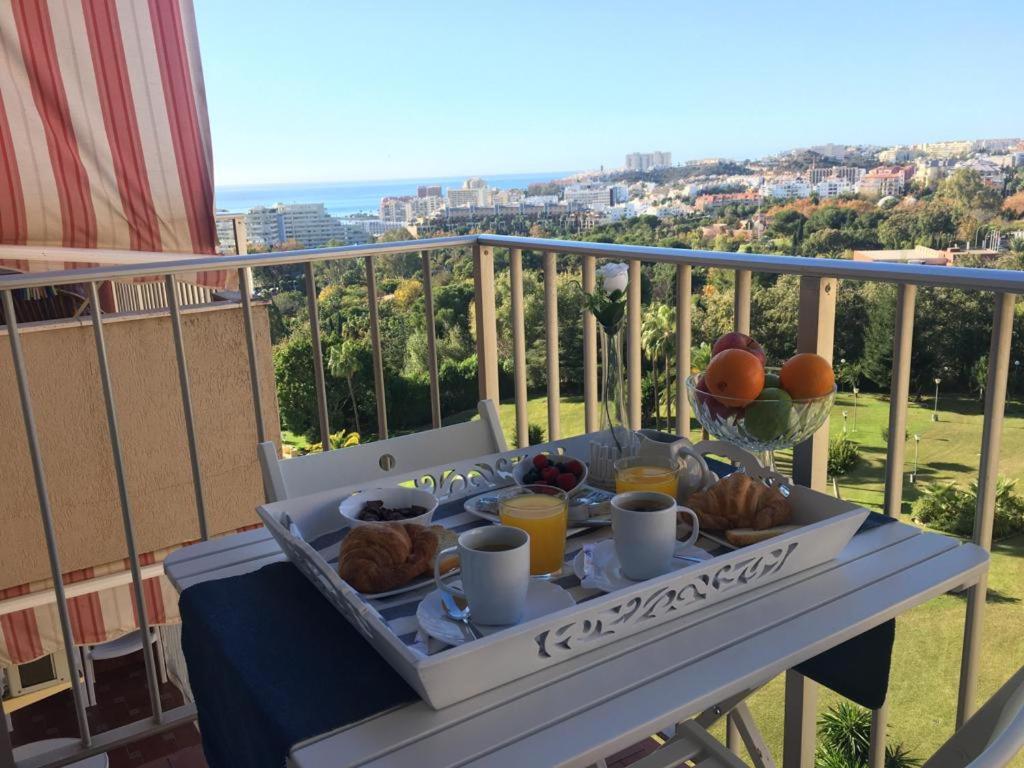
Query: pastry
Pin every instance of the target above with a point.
(738, 501)
(742, 537)
(379, 557)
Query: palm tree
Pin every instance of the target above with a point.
(343, 363)
(657, 335)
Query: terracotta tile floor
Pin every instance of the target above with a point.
(122, 698)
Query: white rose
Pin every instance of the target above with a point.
(614, 277)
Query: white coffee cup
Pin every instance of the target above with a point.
(495, 564)
(644, 530)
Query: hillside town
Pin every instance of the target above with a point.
(648, 184)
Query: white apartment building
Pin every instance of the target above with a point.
(510, 196)
(647, 161)
(395, 209)
(895, 155)
(990, 172)
(833, 151)
(786, 187)
(463, 198)
(833, 187)
(307, 223)
(595, 195)
(539, 200)
(474, 182)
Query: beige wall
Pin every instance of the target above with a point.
(71, 420)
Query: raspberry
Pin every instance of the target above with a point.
(540, 461)
(566, 481)
(575, 467)
(549, 474)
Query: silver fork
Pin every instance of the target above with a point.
(460, 616)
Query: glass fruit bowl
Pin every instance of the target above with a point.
(763, 425)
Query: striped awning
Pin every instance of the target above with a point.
(104, 135)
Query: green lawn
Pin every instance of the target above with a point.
(926, 659)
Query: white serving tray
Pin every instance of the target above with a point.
(455, 674)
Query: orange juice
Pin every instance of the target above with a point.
(645, 474)
(544, 516)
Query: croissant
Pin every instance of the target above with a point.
(738, 501)
(379, 557)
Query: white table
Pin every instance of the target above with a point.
(595, 704)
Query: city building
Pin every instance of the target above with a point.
(395, 209)
(991, 173)
(786, 187)
(431, 190)
(832, 151)
(591, 195)
(885, 180)
(833, 186)
(648, 161)
(705, 203)
(540, 200)
(895, 155)
(509, 196)
(848, 172)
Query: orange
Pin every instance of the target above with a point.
(806, 376)
(734, 377)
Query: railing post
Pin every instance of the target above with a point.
(46, 514)
(815, 333)
(519, 347)
(486, 323)
(684, 342)
(634, 365)
(741, 301)
(428, 306)
(319, 381)
(801, 700)
(186, 404)
(245, 290)
(378, 362)
(899, 392)
(988, 478)
(241, 235)
(591, 421)
(126, 510)
(6, 750)
(551, 342)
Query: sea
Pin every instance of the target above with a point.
(344, 198)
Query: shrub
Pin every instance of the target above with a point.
(843, 455)
(534, 432)
(844, 740)
(952, 509)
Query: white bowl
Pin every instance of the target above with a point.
(393, 498)
(526, 464)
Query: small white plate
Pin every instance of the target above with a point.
(482, 505)
(606, 573)
(542, 598)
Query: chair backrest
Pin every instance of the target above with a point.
(315, 472)
(992, 736)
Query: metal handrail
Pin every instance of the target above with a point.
(970, 278)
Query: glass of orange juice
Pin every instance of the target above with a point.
(543, 512)
(647, 473)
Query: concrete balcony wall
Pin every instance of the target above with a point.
(69, 411)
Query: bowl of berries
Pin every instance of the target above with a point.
(739, 400)
(558, 471)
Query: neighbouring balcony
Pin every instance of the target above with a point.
(150, 416)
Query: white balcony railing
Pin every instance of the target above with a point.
(818, 289)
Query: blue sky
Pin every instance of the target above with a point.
(313, 90)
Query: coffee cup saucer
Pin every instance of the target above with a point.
(542, 598)
(597, 565)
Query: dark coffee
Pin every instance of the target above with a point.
(494, 547)
(641, 505)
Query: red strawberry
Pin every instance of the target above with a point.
(575, 467)
(540, 461)
(549, 474)
(566, 481)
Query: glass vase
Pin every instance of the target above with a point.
(615, 440)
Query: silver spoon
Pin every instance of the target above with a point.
(460, 616)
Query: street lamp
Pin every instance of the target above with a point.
(917, 448)
(1016, 374)
(842, 362)
(935, 409)
(845, 414)
(856, 391)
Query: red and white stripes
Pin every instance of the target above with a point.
(104, 138)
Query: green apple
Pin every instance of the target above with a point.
(768, 416)
(772, 380)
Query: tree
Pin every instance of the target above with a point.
(657, 335)
(343, 363)
(979, 375)
(844, 740)
(789, 223)
(898, 230)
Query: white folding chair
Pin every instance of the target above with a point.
(314, 472)
(115, 649)
(40, 748)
